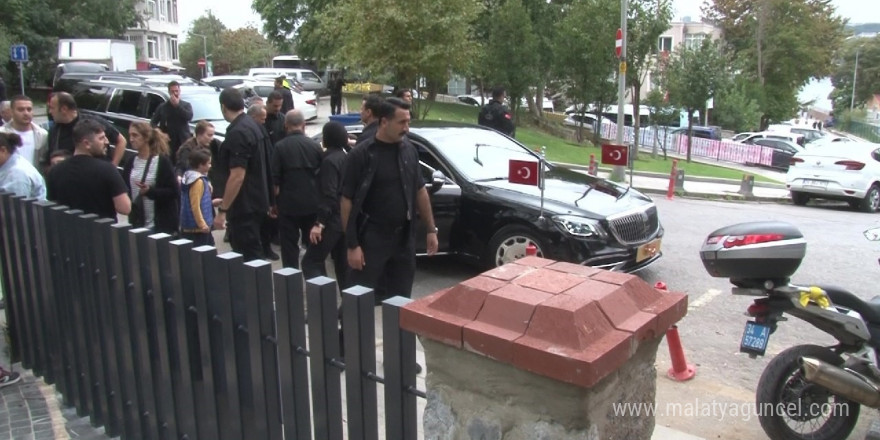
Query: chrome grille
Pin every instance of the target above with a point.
(635, 227)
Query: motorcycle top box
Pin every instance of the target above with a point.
(754, 252)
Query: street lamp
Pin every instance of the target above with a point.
(205, 48)
(852, 99)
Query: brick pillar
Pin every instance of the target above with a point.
(539, 349)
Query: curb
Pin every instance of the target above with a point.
(702, 179)
(729, 197)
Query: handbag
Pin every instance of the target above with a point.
(138, 215)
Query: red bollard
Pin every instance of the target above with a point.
(531, 249)
(681, 370)
(593, 169)
(671, 192)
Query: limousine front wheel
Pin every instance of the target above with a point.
(511, 243)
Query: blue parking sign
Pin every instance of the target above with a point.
(18, 53)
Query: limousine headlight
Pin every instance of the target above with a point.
(580, 226)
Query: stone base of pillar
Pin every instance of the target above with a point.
(472, 397)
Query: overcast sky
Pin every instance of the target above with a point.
(238, 13)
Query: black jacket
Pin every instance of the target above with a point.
(330, 178)
(496, 115)
(368, 132)
(165, 193)
(275, 126)
(246, 146)
(174, 121)
(295, 168)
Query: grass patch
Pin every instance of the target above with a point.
(561, 150)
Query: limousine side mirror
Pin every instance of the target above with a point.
(437, 181)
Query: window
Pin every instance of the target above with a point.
(173, 12)
(311, 77)
(126, 102)
(90, 97)
(172, 48)
(155, 100)
(163, 10)
(152, 47)
(664, 44)
(151, 11)
(693, 41)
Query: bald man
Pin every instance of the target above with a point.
(295, 174)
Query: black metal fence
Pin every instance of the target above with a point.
(155, 339)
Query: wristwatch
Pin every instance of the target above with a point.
(433, 231)
(222, 210)
(319, 225)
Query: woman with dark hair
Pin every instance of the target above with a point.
(17, 175)
(203, 139)
(150, 176)
(325, 237)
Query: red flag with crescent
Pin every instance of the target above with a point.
(523, 172)
(615, 154)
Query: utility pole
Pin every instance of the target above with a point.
(618, 173)
(205, 49)
(852, 99)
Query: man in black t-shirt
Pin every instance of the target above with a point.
(382, 190)
(243, 163)
(86, 182)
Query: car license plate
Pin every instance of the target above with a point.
(648, 250)
(755, 338)
(816, 183)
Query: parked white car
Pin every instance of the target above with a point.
(749, 138)
(851, 174)
(304, 101)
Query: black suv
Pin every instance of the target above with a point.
(123, 102)
(700, 131)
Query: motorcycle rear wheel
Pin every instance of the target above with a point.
(790, 408)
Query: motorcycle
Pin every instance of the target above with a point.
(806, 391)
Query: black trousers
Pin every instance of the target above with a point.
(389, 256)
(268, 232)
(335, 104)
(314, 262)
(293, 227)
(245, 235)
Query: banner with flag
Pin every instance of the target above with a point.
(523, 172)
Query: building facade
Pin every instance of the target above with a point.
(156, 38)
(684, 33)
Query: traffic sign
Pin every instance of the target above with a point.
(201, 62)
(618, 44)
(18, 53)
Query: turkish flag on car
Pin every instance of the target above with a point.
(615, 154)
(524, 172)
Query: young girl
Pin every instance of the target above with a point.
(196, 204)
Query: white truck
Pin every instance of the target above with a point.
(117, 55)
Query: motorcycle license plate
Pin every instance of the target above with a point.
(755, 338)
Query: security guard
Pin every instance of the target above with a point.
(496, 115)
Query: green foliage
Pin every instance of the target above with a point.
(694, 75)
(780, 44)
(293, 26)
(867, 76)
(241, 49)
(431, 43)
(736, 110)
(512, 52)
(194, 47)
(40, 23)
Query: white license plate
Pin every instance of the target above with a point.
(816, 183)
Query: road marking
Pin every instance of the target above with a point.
(704, 299)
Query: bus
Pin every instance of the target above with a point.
(292, 62)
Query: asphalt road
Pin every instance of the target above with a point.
(837, 253)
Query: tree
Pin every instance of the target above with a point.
(736, 109)
(587, 69)
(662, 114)
(241, 49)
(782, 45)
(513, 65)
(694, 75)
(294, 25)
(867, 77)
(430, 44)
(40, 23)
(646, 21)
(194, 47)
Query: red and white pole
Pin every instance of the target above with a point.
(670, 193)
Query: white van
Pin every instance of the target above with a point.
(310, 81)
(792, 137)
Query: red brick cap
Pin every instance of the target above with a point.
(572, 323)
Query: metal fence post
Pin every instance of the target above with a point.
(293, 366)
(223, 345)
(265, 298)
(58, 228)
(74, 303)
(359, 321)
(401, 416)
(247, 281)
(15, 294)
(102, 264)
(136, 295)
(32, 319)
(178, 266)
(46, 293)
(200, 342)
(324, 358)
(157, 255)
(121, 290)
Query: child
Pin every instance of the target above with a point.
(196, 205)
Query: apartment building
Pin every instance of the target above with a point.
(156, 38)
